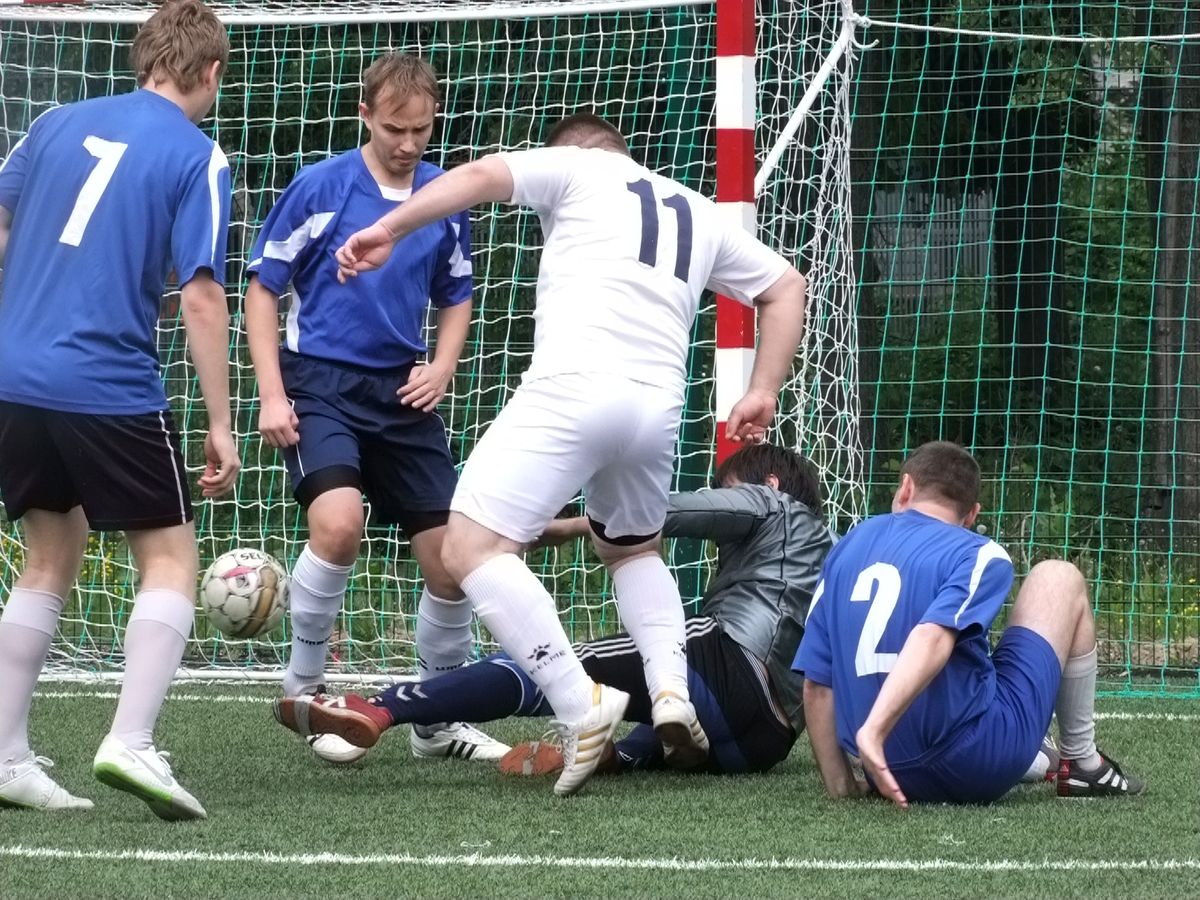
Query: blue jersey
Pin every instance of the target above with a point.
(108, 196)
(375, 320)
(883, 579)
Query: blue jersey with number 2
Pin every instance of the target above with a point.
(108, 196)
(883, 579)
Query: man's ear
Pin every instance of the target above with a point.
(971, 516)
(772, 481)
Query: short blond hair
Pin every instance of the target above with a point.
(178, 43)
(401, 76)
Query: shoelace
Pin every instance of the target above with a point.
(564, 736)
(43, 762)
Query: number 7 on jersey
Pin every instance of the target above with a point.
(108, 153)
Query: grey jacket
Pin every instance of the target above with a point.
(770, 551)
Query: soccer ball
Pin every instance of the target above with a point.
(245, 592)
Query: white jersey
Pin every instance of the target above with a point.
(627, 255)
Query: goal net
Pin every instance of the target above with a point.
(508, 71)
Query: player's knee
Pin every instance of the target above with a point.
(336, 538)
(1059, 578)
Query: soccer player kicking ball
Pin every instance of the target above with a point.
(98, 203)
(347, 400)
(627, 255)
(765, 516)
(896, 660)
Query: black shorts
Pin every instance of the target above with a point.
(747, 730)
(126, 472)
(354, 432)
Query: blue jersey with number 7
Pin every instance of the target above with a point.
(108, 197)
(887, 576)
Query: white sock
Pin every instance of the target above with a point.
(316, 594)
(155, 638)
(443, 634)
(652, 613)
(26, 630)
(520, 614)
(1075, 709)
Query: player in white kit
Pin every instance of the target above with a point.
(627, 255)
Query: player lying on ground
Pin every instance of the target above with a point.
(766, 520)
(348, 399)
(627, 256)
(897, 664)
(103, 199)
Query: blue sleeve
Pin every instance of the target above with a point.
(970, 599)
(201, 229)
(292, 225)
(13, 170)
(452, 274)
(814, 658)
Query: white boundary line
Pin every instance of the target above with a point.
(261, 699)
(673, 864)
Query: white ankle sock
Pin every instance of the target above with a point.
(26, 630)
(652, 613)
(1075, 709)
(317, 590)
(155, 638)
(520, 613)
(443, 634)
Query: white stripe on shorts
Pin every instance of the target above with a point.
(162, 420)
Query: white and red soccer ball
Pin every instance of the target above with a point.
(245, 592)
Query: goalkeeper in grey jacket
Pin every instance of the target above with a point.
(765, 516)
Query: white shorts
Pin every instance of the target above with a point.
(610, 436)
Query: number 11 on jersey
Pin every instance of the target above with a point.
(648, 252)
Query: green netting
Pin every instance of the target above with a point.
(1028, 248)
(290, 98)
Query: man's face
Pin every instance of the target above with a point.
(400, 130)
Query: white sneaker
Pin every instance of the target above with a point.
(335, 749)
(456, 739)
(685, 745)
(147, 775)
(24, 784)
(583, 742)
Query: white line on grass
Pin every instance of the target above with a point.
(260, 698)
(609, 862)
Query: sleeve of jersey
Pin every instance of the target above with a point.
(971, 598)
(452, 275)
(745, 267)
(12, 173)
(201, 229)
(293, 223)
(814, 658)
(721, 514)
(540, 177)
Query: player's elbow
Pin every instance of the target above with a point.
(202, 295)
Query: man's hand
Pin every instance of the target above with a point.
(427, 384)
(559, 531)
(870, 751)
(365, 250)
(750, 417)
(278, 423)
(223, 463)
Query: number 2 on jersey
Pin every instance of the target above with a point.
(648, 252)
(108, 153)
(879, 585)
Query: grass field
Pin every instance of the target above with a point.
(281, 824)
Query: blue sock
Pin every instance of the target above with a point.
(640, 749)
(493, 688)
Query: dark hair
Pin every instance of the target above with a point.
(587, 129)
(399, 76)
(946, 470)
(178, 43)
(753, 463)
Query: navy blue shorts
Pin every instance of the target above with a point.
(354, 432)
(987, 757)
